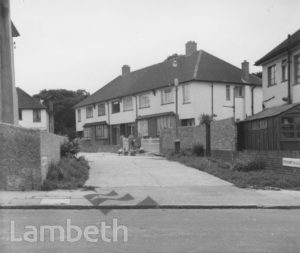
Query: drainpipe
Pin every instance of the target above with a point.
(289, 70)
(252, 99)
(108, 119)
(212, 100)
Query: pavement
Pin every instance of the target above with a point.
(140, 182)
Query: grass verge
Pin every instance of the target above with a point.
(69, 173)
(259, 179)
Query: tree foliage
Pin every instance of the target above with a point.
(63, 102)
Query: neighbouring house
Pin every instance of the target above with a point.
(277, 127)
(32, 114)
(143, 102)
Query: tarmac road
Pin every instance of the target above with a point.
(156, 231)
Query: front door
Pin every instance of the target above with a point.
(115, 135)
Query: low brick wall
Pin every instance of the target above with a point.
(223, 136)
(273, 159)
(94, 146)
(25, 155)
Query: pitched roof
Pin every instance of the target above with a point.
(25, 101)
(282, 47)
(271, 112)
(200, 66)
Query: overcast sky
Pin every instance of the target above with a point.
(82, 44)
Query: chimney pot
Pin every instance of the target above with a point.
(245, 71)
(125, 70)
(190, 48)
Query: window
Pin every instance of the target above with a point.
(228, 92)
(89, 112)
(36, 115)
(187, 122)
(127, 104)
(143, 128)
(239, 92)
(284, 70)
(186, 93)
(20, 114)
(259, 124)
(101, 132)
(101, 109)
(144, 101)
(271, 75)
(297, 69)
(79, 115)
(87, 133)
(165, 122)
(115, 106)
(167, 96)
(290, 127)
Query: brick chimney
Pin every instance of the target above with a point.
(125, 70)
(245, 71)
(190, 48)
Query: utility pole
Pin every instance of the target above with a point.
(8, 95)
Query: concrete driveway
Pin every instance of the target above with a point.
(112, 170)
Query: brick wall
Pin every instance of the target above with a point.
(223, 136)
(25, 155)
(273, 159)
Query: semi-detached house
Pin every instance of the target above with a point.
(142, 102)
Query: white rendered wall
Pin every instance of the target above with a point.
(27, 120)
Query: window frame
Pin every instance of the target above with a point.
(164, 96)
(284, 70)
(271, 78)
(103, 130)
(89, 113)
(124, 103)
(140, 97)
(143, 134)
(37, 116)
(228, 93)
(102, 111)
(78, 115)
(184, 93)
(112, 106)
(87, 130)
(297, 69)
(20, 114)
(294, 130)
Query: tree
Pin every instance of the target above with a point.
(63, 112)
(206, 120)
(258, 74)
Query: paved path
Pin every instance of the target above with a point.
(143, 182)
(112, 170)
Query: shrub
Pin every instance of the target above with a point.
(198, 149)
(249, 165)
(69, 173)
(70, 148)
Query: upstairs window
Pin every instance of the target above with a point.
(144, 100)
(115, 106)
(239, 92)
(127, 104)
(297, 69)
(167, 96)
(186, 93)
(101, 109)
(36, 115)
(89, 112)
(272, 75)
(79, 115)
(228, 92)
(284, 70)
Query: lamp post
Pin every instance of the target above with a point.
(176, 83)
